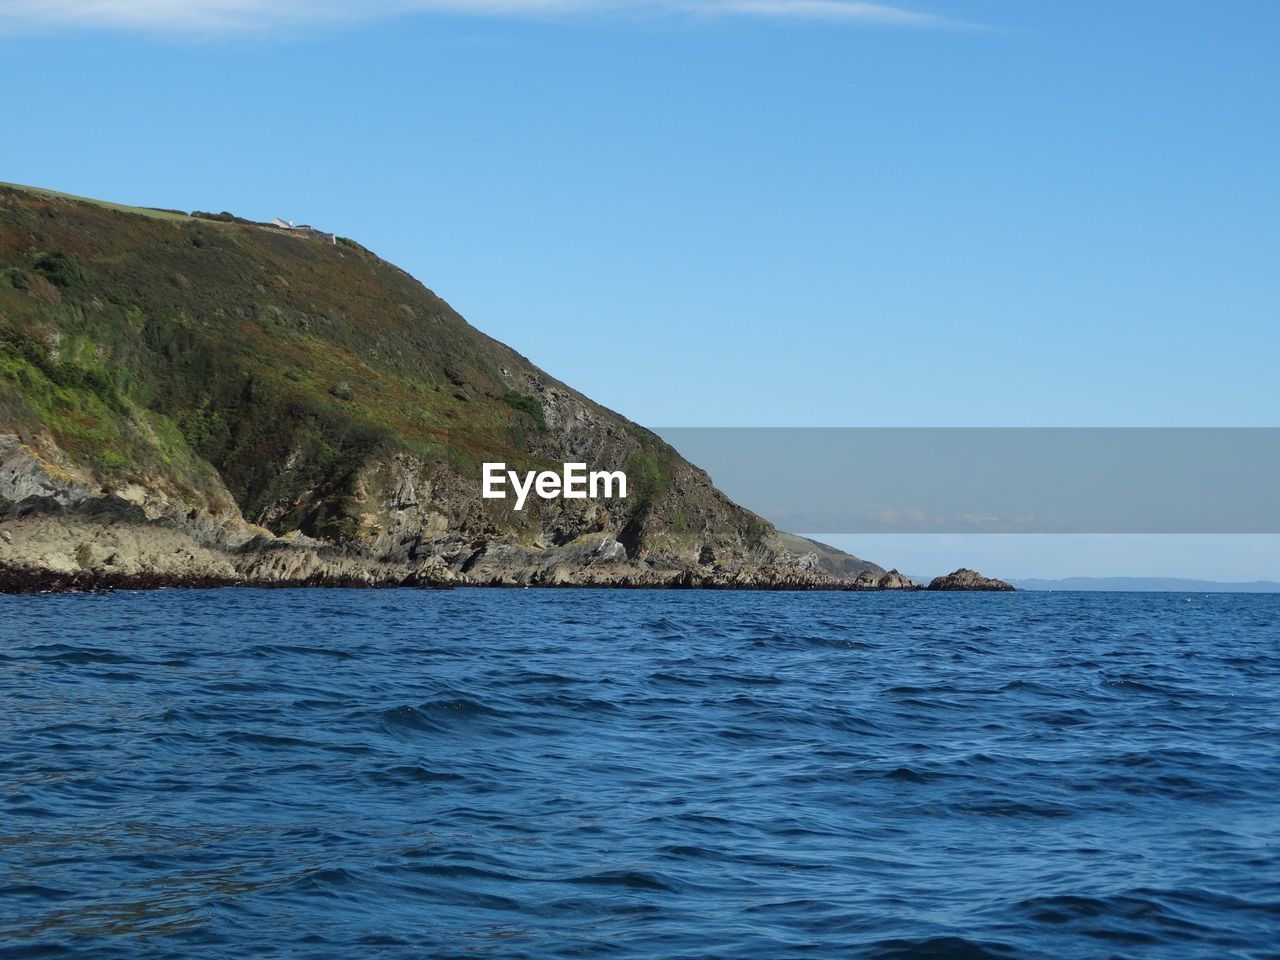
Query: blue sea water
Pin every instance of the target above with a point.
(321, 774)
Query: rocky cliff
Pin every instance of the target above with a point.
(200, 399)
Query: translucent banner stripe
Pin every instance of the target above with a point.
(996, 480)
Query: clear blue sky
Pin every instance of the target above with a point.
(734, 212)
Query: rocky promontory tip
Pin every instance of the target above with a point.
(964, 579)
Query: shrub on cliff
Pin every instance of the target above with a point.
(60, 269)
(526, 404)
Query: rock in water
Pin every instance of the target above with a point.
(893, 580)
(964, 579)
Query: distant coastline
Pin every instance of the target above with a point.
(1146, 585)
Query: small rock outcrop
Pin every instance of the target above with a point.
(893, 580)
(964, 579)
(872, 580)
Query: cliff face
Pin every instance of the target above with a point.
(197, 399)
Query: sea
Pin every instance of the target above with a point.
(639, 774)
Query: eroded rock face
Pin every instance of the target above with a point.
(964, 579)
(27, 471)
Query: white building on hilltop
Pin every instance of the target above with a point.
(305, 228)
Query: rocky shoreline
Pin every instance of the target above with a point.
(168, 560)
(25, 580)
(81, 541)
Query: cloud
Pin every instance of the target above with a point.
(257, 15)
(846, 10)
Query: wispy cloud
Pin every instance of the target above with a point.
(257, 15)
(847, 10)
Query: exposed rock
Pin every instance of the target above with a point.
(893, 580)
(867, 580)
(108, 543)
(828, 559)
(964, 579)
(26, 471)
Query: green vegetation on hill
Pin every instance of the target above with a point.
(525, 404)
(123, 208)
(149, 344)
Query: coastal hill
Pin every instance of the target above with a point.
(197, 398)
